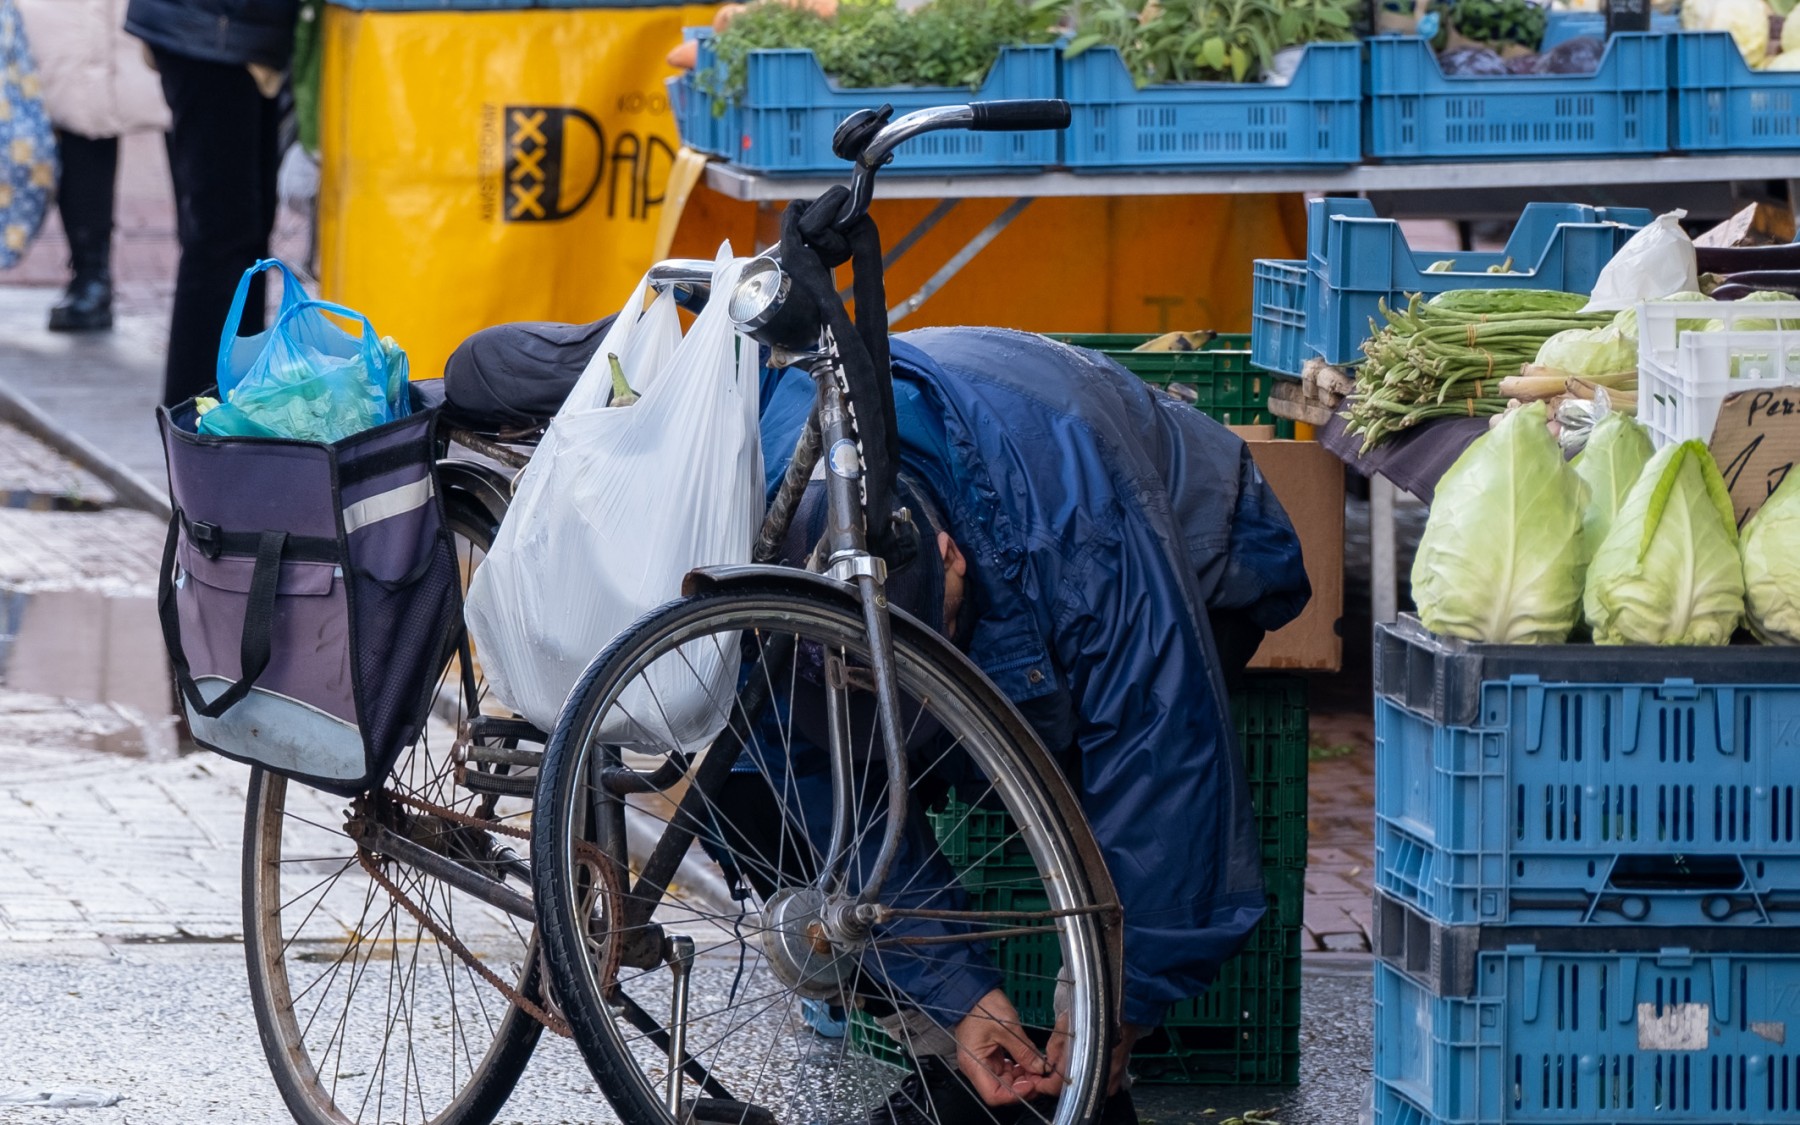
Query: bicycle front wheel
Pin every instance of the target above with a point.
(777, 1013)
(381, 991)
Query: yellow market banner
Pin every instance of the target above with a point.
(480, 167)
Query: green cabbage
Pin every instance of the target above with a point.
(1756, 324)
(1772, 565)
(1501, 557)
(1668, 571)
(1747, 20)
(1615, 454)
(1627, 322)
(1587, 352)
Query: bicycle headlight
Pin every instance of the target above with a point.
(760, 292)
(766, 306)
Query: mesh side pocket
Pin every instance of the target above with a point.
(401, 636)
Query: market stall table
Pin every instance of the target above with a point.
(1501, 185)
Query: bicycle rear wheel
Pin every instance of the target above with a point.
(768, 970)
(367, 1008)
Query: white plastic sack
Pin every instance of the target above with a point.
(616, 506)
(1655, 262)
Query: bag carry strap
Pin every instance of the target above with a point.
(259, 620)
(291, 294)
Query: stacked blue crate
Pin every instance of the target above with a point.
(1588, 883)
(1356, 261)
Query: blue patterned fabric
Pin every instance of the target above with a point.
(27, 144)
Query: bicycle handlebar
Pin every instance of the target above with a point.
(1019, 114)
(980, 117)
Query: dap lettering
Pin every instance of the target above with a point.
(542, 183)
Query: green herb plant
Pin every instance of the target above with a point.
(873, 43)
(1496, 23)
(1207, 40)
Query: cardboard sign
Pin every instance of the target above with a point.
(1756, 442)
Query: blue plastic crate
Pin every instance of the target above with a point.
(1416, 112)
(1563, 26)
(1673, 1036)
(1358, 261)
(695, 133)
(1278, 315)
(1314, 120)
(1572, 785)
(789, 110)
(1721, 105)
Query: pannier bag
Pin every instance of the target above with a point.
(309, 595)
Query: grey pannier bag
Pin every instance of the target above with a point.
(309, 595)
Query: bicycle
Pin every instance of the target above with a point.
(846, 721)
(392, 963)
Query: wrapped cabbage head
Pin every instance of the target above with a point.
(1501, 557)
(1610, 463)
(1668, 571)
(1589, 352)
(1746, 20)
(1627, 320)
(1772, 566)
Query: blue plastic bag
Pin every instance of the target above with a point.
(313, 381)
(237, 353)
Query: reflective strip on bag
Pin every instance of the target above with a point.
(384, 505)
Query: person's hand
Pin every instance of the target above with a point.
(1057, 1052)
(1000, 1063)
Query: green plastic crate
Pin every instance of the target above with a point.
(1270, 713)
(867, 1038)
(1224, 383)
(1245, 1029)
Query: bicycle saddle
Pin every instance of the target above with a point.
(516, 376)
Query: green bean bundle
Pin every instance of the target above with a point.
(1445, 358)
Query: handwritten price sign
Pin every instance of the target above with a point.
(1756, 444)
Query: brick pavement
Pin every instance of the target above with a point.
(1340, 853)
(95, 847)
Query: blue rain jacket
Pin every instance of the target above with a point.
(1100, 519)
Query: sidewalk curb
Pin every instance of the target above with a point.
(132, 489)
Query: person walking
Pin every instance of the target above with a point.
(221, 63)
(98, 87)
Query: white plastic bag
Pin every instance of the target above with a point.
(1655, 262)
(616, 506)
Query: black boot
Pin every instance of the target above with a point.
(87, 305)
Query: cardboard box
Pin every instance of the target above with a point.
(1309, 481)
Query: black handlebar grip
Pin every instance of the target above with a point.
(1019, 114)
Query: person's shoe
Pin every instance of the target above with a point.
(937, 1094)
(85, 307)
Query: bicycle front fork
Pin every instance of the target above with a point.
(847, 558)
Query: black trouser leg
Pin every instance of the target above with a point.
(223, 158)
(84, 199)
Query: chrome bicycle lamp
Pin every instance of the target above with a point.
(764, 305)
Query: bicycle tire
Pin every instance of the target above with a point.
(311, 1076)
(969, 708)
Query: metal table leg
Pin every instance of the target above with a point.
(1384, 590)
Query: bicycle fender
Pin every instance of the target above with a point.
(486, 487)
(722, 579)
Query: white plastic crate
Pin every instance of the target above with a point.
(1684, 377)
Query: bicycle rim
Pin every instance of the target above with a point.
(366, 1012)
(763, 1022)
